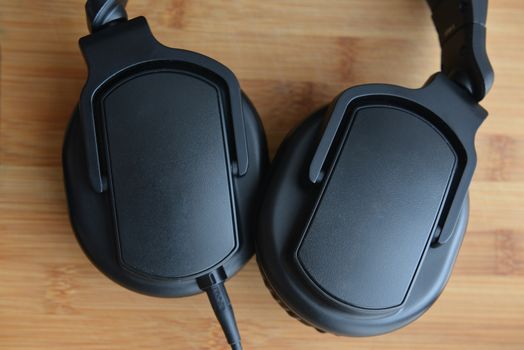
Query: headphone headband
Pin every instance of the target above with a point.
(461, 27)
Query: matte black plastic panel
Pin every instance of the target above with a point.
(169, 174)
(375, 216)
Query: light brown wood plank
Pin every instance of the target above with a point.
(291, 57)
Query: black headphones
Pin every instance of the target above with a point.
(356, 225)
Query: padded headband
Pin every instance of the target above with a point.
(461, 27)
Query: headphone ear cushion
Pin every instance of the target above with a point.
(285, 194)
(283, 305)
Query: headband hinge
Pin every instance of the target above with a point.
(461, 26)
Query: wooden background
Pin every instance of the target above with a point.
(291, 57)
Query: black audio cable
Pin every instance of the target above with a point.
(213, 285)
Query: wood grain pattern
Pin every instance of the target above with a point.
(291, 57)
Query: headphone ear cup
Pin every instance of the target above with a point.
(289, 205)
(97, 235)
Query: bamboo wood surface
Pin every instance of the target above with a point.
(291, 56)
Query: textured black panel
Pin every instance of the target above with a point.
(169, 174)
(373, 221)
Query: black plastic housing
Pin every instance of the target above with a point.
(366, 208)
(162, 163)
(461, 27)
